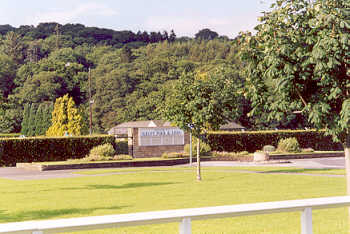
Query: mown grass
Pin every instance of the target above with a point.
(174, 188)
(258, 169)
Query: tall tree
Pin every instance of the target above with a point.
(203, 101)
(25, 121)
(44, 86)
(65, 118)
(38, 120)
(206, 34)
(303, 48)
(172, 36)
(14, 47)
(125, 54)
(32, 119)
(47, 116)
(7, 75)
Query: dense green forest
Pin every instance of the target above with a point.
(131, 73)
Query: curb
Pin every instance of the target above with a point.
(43, 167)
(169, 162)
(306, 156)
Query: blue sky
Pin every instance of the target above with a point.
(186, 17)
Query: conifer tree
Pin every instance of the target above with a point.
(31, 120)
(43, 118)
(38, 120)
(74, 118)
(24, 129)
(65, 118)
(47, 116)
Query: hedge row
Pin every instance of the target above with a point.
(39, 149)
(9, 135)
(253, 141)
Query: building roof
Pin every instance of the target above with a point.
(122, 129)
(144, 124)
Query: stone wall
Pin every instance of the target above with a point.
(151, 151)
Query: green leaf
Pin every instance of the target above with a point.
(345, 115)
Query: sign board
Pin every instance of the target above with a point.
(161, 136)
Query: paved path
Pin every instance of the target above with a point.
(22, 174)
(338, 162)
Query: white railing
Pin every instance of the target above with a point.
(184, 216)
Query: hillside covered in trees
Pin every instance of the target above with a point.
(131, 74)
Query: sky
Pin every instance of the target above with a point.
(186, 17)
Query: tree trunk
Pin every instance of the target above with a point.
(198, 161)
(347, 167)
(191, 148)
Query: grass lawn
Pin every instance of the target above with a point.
(152, 189)
(267, 170)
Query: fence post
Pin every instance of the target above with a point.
(185, 226)
(306, 221)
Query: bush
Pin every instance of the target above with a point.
(307, 150)
(229, 154)
(255, 140)
(243, 153)
(40, 149)
(173, 155)
(103, 151)
(288, 145)
(269, 148)
(122, 157)
(204, 148)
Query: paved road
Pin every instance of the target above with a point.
(22, 174)
(338, 162)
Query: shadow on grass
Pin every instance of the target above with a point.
(124, 186)
(127, 186)
(299, 170)
(48, 214)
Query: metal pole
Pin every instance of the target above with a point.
(90, 103)
(185, 226)
(306, 221)
(191, 147)
(198, 160)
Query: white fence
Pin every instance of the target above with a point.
(184, 216)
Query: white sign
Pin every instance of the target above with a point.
(161, 136)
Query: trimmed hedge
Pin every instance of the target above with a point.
(40, 149)
(9, 135)
(256, 140)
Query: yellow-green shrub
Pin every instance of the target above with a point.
(204, 148)
(102, 152)
(122, 157)
(174, 155)
(290, 144)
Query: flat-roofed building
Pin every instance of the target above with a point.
(151, 138)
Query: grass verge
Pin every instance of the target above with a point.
(174, 188)
(296, 170)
